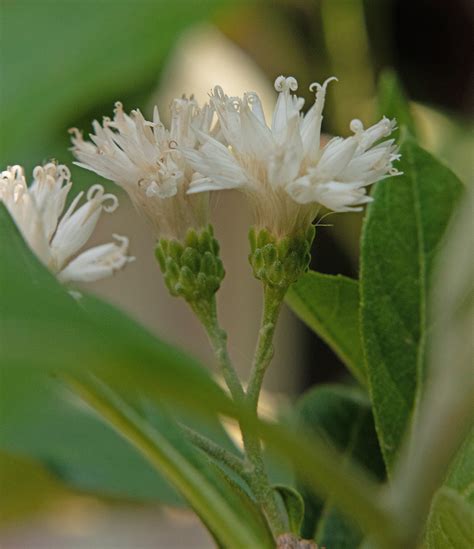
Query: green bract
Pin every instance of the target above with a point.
(278, 262)
(192, 269)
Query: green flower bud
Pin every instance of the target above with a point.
(278, 262)
(191, 268)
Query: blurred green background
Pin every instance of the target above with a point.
(64, 63)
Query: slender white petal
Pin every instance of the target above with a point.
(282, 168)
(36, 211)
(98, 262)
(147, 160)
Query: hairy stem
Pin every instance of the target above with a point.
(217, 452)
(206, 311)
(256, 475)
(272, 300)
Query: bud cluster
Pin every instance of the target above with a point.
(278, 262)
(191, 268)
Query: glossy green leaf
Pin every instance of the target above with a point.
(343, 417)
(220, 507)
(329, 305)
(294, 505)
(44, 328)
(403, 231)
(393, 102)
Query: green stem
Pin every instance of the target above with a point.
(206, 311)
(256, 475)
(226, 522)
(272, 300)
(217, 452)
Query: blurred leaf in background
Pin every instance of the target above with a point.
(60, 60)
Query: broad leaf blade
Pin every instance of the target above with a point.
(330, 306)
(402, 233)
(43, 328)
(342, 416)
(43, 421)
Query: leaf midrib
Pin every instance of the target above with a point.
(422, 280)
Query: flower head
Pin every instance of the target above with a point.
(143, 158)
(37, 211)
(281, 166)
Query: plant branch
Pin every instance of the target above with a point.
(217, 452)
(206, 311)
(256, 475)
(272, 300)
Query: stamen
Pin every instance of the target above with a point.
(284, 84)
(321, 87)
(76, 135)
(356, 126)
(219, 92)
(96, 193)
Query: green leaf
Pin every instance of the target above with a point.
(165, 447)
(393, 102)
(446, 409)
(403, 231)
(43, 421)
(45, 329)
(343, 417)
(461, 474)
(294, 506)
(452, 511)
(450, 522)
(27, 488)
(49, 79)
(330, 306)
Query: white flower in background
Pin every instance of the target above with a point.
(56, 240)
(281, 167)
(143, 158)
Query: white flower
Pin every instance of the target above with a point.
(37, 211)
(142, 157)
(281, 166)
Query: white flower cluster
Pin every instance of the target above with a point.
(56, 240)
(281, 167)
(143, 158)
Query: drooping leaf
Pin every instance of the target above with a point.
(41, 420)
(393, 102)
(43, 328)
(403, 231)
(294, 506)
(343, 417)
(330, 306)
(220, 507)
